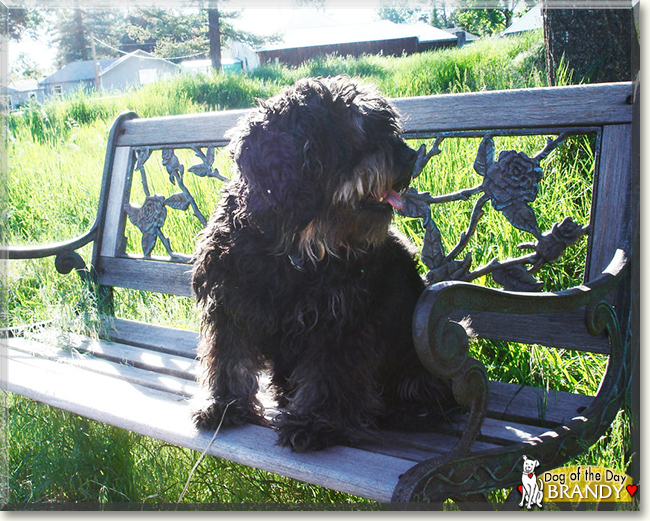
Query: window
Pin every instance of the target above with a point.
(147, 76)
(57, 89)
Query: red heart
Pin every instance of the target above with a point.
(530, 475)
(521, 489)
(631, 489)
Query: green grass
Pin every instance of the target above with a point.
(55, 162)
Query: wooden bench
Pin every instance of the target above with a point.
(140, 376)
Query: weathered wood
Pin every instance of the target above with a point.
(561, 330)
(610, 203)
(206, 128)
(525, 108)
(88, 362)
(158, 338)
(507, 401)
(547, 107)
(147, 275)
(76, 370)
(111, 229)
(161, 363)
(164, 416)
(534, 406)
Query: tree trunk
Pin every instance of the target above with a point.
(595, 43)
(79, 35)
(214, 37)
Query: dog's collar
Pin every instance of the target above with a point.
(296, 262)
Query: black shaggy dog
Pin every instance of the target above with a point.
(299, 271)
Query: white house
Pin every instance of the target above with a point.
(115, 74)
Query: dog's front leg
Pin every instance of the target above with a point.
(332, 397)
(531, 496)
(229, 380)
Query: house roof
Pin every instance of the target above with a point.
(24, 85)
(140, 54)
(530, 21)
(455, 30)
(338, 34)
(77, 71)
(429, 33)
(85, 70)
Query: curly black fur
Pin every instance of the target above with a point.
(299, 270)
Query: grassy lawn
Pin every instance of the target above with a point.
(55, 158)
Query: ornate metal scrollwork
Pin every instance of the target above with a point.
(150, 217)
(67, 260)
(461, 476)
(510, 183)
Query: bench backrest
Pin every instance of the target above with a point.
(604, 111)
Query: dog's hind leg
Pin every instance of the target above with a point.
(229, 380)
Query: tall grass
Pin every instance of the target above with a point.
(56, 154)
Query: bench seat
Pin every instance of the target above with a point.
(142, 380)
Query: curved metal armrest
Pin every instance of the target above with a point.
(47, 250)
(443, 345)
(66, 259)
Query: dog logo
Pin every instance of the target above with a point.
(530, 488)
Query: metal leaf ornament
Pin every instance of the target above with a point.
(516, 278)
(511, 183)
(204, 169)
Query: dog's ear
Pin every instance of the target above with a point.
(271, 165)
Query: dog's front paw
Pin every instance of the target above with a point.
(216, 413)
(306, 434)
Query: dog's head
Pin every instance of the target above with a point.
(323, 165)
(530, 465)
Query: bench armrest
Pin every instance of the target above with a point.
(66, 258)
(443, 345)
(40, 251)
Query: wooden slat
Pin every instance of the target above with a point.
(116, 195)
(398, 445)
(207, 127)
(165, 416)
(611, 203)
(417, 446)
(161, 363)
(147, 275)
(507, 401)
(534, 406)
(519, 108)
(541, 107)
(127, 373)
(561, 330)
(159, 338)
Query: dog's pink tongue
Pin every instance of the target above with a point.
(394, 200)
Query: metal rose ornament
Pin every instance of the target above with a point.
(149, 219)
(511, 183)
